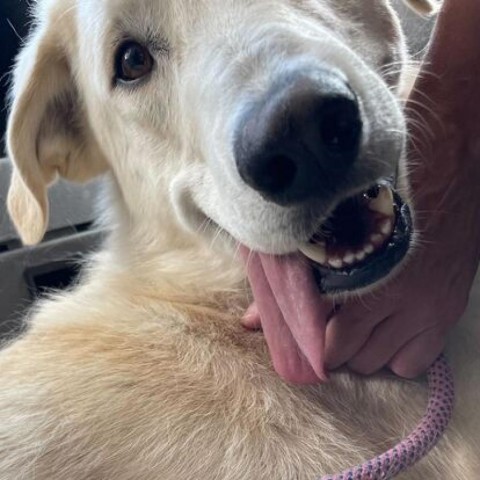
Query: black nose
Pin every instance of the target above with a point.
(300, 139)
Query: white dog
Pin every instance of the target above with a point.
(218, 122)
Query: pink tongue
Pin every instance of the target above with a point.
(292, 312)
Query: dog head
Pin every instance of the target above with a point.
(255, 117)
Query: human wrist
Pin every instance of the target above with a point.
(444, 154)
(447, 224)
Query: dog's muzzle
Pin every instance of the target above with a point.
(299, 144)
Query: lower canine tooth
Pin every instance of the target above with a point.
(315, 252)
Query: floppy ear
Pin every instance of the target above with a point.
(424, 7)
(48, 133)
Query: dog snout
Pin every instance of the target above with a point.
(294, 144)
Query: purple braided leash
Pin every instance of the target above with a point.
(421, 441)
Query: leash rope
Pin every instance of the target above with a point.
(421, 441)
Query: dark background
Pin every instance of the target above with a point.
(13, 24)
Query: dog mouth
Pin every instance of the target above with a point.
(362, 241)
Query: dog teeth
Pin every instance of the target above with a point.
(361, 255)
(369, 249)
(383, 203)
(336, 257)
(315, 252)
(335, 262)
(319, 255)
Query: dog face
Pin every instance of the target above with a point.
(257, 117)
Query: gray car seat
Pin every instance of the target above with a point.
(26, 273)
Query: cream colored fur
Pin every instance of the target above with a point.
(143, 371)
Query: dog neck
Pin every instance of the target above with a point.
(159, 255)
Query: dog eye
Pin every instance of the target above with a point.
(133, 62)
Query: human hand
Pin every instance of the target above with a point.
(404, 324)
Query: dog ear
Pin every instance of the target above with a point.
(48, 134)
(424, 7)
